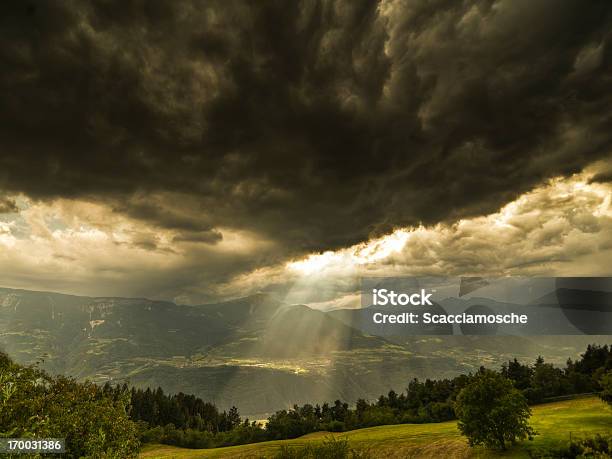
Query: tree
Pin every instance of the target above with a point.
(606, 385)
(520, 374)
(94, 421)
(233, 418)
(547, 381)
(492, 412)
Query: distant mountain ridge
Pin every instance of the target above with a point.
(255, 352)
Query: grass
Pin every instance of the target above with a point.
(553, 421)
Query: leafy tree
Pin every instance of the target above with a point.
(93, 422)
(595, 357)
(547, 380)
(492, 411)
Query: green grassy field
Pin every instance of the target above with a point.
(553, 422)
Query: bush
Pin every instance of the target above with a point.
(336, 426)
(198, 439)
(594, 447)
(378, 416)
(606, 385)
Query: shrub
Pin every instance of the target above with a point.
(606, 385)
(598, 446)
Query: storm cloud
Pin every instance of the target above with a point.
(315, 125)
(7, 205)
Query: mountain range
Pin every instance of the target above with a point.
(256, 353)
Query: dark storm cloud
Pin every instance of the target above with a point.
(602, 177)
(8, 206)
(209, 237)
(312, 123)
(163, 217)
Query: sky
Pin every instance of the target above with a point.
(198, 151)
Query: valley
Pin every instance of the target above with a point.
(255, 353)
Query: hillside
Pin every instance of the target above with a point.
(256, 352)
(553, 422)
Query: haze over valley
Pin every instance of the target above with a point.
(256, 352)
